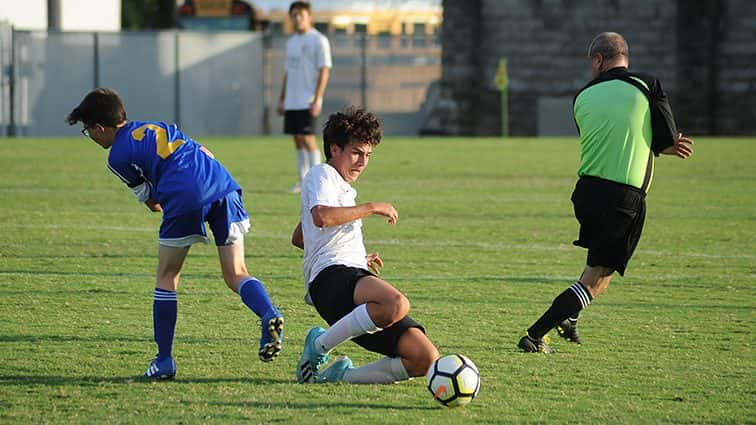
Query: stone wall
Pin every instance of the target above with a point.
(704, 53)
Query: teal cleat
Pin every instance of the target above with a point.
(335, 371)
(271, 340)
(310, 360)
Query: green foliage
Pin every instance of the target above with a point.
(481, 248)
(147, 14)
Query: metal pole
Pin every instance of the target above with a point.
(12, 85)
(363, 70)
(54, 15)
(176, 81)
(96, 60)
(505, 112)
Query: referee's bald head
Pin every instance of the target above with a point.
(609, 45)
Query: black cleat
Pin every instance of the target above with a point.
(530, 345)
(569, 331)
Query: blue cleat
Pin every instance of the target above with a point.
(272, 335)
(335, 371)
(161, 369)
(310, 360)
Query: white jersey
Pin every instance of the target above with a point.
(327, 246)
(306, 54)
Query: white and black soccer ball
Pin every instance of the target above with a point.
(453, 380)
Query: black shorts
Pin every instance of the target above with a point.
(332, 293)
(611, 217)
(299, 122)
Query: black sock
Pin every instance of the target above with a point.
(566, 305)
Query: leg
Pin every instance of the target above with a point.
(312, 151)
(254, 296)
(385, 304)
(596, 279)
(170, 261)
(417, 352)
(414, 354)
(303, 165)
(354, 303)
(165, 310)
(567, 305)
(233, 267)
(378, 305)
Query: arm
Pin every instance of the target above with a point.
(317, 101)
(682, 147)
(323, 216)
(280, 107)
(297, 238)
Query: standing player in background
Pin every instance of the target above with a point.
(172, 173)
(308, 63)
(357, 304)
(624, 120)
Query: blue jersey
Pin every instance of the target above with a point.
(182, 178)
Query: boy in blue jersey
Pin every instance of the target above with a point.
(175, 175)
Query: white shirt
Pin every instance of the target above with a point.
(327, 246)
(306, 54)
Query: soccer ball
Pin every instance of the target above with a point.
(453, 380)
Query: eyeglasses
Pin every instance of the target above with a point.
(85, 130)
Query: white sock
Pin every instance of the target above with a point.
(384, 371)
(313, 158)
(354, 324)
(303, 164)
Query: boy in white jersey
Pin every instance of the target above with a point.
(308, 63)
(355, 302)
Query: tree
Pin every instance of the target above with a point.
(148, 14)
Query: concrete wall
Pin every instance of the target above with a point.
(704, 53)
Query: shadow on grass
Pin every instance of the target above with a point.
(129, 380)
(192, 340)
(319, 404)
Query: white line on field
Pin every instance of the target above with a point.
(405, 242)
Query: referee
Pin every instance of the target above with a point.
(624, 120)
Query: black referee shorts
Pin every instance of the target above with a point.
(611, 217)
(299, 122)
(332, 293)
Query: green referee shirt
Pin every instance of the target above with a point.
(614, 121)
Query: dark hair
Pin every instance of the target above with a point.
(100, 106)
(352, 125)
(303, 5)
(608, 45)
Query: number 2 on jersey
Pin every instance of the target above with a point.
(164, 147)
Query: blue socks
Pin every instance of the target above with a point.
(164, 311)
(254, 296)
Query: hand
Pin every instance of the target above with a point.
(387, 210)
(374, 262)
(153, 205)
(315, 107)
(280, 107)
(682, 147)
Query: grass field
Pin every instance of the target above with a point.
(482, 246)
